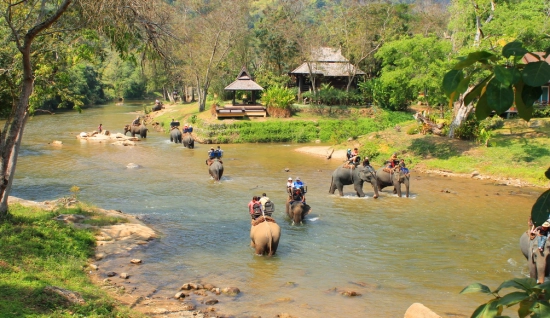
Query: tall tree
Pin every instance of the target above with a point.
(212, 29)
(127, 23)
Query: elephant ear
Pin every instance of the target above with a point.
(541, 209)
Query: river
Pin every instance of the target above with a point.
(394, 251)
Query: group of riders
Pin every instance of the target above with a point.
(353, 160)
(214, 154)
(262, 206)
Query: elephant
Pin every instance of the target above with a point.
(157, 107)
(188, 141)
(342, 176)
(216, 169)
(141, 130)
(395, 178)
(264, 237)
(175, 135)
(539, 263)
(297, 211)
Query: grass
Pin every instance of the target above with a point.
(36, 251)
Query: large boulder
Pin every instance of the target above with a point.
(417, 310)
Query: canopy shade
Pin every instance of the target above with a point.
(244, 83)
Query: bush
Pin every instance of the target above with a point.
(541, 112)
(413, 130)
(491, 123)
(469, 130)
(279, 101)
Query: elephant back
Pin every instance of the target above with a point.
(262, 219)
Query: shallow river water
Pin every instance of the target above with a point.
(394, 251)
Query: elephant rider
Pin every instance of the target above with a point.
(298, 184)
(354, 157)
(297, 196)
(136, 121)
(366, 164)
(542, 235)
(289, 185)
(394, 161)
(403, 167)
(267, 205)
(255, 208)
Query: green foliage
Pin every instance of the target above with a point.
(37, 251)
(541, 209)
(532, 299)
(469, 130)
(491, 123)
(279, 101)
(327, 130)
(509, 81)
(193, 119)
(541, 112)
(411, 66)
(413, 130)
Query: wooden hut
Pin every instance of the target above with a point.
(328, 66)
(246, 104)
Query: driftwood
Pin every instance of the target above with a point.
(429, 126)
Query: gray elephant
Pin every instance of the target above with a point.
(216, 169)
(264, 236)
(175, 135)
(357, 176)
(188, 141)
(141, 130)
(297, 211)
(393, 178)
(539, 263)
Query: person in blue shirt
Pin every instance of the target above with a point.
(298, 184)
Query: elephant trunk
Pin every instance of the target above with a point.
(407, 187)
(375, 188)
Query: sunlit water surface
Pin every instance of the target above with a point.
(393, 251)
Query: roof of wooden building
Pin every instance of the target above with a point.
(328, 62)
(529, 58)
(244, 82)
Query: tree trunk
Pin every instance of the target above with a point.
(10, 138)
(461, 112)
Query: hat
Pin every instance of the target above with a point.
(298, 189)
(211, 148)
(297, 178)
(289, 179)
(546, 224)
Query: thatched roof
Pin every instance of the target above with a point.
(244, 82)
(328, 62)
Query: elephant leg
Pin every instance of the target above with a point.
(332, 187)
(340, 188)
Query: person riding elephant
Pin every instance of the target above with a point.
(297, 210)
(141, 130)
(343, 176)
(175, 135)
(393, 178)
(264, 236)
(188, 141)
(216, 169)
(537, 260)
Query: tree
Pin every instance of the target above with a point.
(212, 28)
(127, 23)
(505, 82)
(411, 66)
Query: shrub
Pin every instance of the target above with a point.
(541, 112)
(491, 123)
(469, 130)
(279, 101)
(413, 130)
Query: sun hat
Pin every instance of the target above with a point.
(546, 224)
(297, 178)
(289, 179)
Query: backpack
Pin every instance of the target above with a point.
(269, 207)
(257, 208)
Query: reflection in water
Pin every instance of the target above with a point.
(394, 251)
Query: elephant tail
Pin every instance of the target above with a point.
(331, 183)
